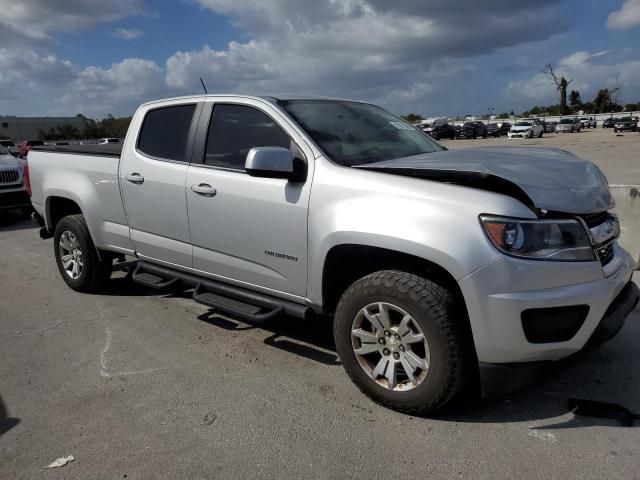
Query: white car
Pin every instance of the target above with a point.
(526, 129)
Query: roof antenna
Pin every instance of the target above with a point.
(203, 86)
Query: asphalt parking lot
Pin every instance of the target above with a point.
(140, 385)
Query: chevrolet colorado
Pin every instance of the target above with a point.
(437, 267)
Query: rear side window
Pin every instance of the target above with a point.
(165, 131)
(236, 129)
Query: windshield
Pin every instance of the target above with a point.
(352, 133)
(625, 119)
(7, 143)
(566, 120)
(523, 124)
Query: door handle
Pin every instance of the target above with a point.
(204, 189)
(135, 178)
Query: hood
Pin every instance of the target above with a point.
(522, 127)
(542, 178)
(9, 162)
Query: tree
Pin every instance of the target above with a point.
(574, 99)
(603, 102)
(561, 85)
(632, 107)
(412, 117)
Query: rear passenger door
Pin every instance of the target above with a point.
(152, 175)
(247, 230)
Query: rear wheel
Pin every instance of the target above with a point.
(401, 341)
(78, 260)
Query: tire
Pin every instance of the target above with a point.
(93, 270)
(541, 134)
(434, 312)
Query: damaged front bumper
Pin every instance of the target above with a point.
(499, 379)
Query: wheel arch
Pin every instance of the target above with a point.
(345, 263)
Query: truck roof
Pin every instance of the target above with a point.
(268, 98)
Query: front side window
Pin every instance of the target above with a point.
(165, 131)
(236, 129)
(353, 133)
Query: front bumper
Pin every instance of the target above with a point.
(498, 294)
(499, 379)
(14, 199)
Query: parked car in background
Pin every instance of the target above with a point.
(25, 146)
(13, 193)
(587, 122)
(550, 127)
(577, 124)
(526, 129)
(472, 130)
(11, 146)
(440, 128)
(609, 122)
(593, 123)
(568, 125)
(627, 124)
(493, 130)
(441, 268)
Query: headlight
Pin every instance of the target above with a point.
(557, 240)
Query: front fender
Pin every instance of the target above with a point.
(430, 220)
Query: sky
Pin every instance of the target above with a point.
(431, 57)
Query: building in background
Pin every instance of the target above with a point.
(27, 128)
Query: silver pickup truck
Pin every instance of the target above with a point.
(438, 268)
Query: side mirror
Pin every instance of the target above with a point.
(273, 162)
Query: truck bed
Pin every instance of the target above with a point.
(106, 150)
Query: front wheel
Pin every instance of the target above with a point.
(401, 340)
(79, 263)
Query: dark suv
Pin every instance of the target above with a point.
(440, 129)
(498, 129)
(625, 123)
(472, 130)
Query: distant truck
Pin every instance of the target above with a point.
(437, 267)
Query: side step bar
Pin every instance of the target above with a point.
(228, 299)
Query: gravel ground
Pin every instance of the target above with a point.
(139, 385)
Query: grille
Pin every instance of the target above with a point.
(9, 176)
(605, 253)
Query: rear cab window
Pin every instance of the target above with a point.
(165, 131)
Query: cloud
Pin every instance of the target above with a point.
(24, 73)
(627, 17)
(373, 49)
(404, 55)
(589, 72)
(127, 34)
(118, 89)
(32, 23)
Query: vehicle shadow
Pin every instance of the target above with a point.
(588, 377)
(6, 422)
(311, 338)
